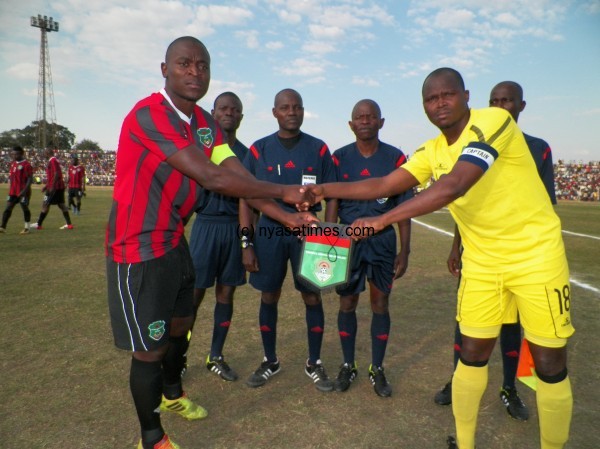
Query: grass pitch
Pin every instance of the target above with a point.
(64, 385)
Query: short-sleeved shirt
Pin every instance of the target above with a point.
(215, 204)
(54, 176)
(351, 165)
(19, 173)
(542, 156)
(506, 220)
(152, 200)
(308, 162)
(76, 176)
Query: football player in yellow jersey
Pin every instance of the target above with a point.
(513, 257)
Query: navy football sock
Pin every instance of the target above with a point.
(380, 329)
(347, 328)
(510, 344)
(222, 321)
(315, 325)
(267, 319)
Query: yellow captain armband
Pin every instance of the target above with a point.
(220, 153)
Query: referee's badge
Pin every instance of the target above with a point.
(206, 137)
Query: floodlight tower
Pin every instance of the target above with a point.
(45, 89)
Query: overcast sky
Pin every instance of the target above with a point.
(107, 54)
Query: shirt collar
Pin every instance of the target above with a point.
(182, 116)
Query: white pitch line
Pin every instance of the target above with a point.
(581, 235)
(450, 234)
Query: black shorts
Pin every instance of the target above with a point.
(14, 199)
(144, 297)
(54, 197)
(75, 193)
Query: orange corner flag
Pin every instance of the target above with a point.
(526, 368)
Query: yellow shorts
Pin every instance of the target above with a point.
(541, 296)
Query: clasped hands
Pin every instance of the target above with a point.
(303, 197)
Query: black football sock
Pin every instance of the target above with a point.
(145, 382)
(42, 218)
(5, 216)
(172, 367)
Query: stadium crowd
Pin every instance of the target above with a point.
(99, 166)
(575, 181)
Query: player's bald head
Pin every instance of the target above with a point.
(184, 40)
(448, 73)
(285, 93)
(366, 102)
(512, 86)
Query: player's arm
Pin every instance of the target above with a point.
(331, 210)
(445, 190)
(192, 162)
(27, 186)
(401, 261)
(396, 182)
(454, 259)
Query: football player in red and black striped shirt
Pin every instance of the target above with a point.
(169, 151)
(54, 191)
(76, 184)
(20, 177)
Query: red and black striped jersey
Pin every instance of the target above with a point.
(20, 172)
(54, 176)
(152, 200)
(76, 176)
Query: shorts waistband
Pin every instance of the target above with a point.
(217, 218)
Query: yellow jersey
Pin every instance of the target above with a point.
(506, 220)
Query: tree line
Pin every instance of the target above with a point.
(58, 136)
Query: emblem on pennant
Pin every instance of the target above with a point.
(323, 272)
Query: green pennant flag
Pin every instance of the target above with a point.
(325, 259)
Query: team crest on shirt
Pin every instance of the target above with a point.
(206, 137)
(382, 200)
(156, 330)
(323, 272)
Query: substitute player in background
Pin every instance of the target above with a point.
(169, 149)
(76, 184)
(374, 258)
(513, 259)
(289, 156)
(54, 192)
(20, 176)
(215, 244)
(506, 95)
